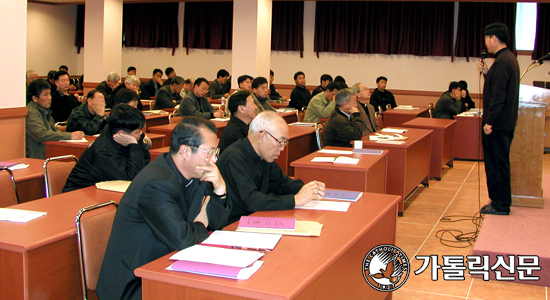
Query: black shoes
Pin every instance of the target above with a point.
(489, 210)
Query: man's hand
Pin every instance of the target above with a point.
(124, 139)
(219, 114)
(99, 107)
(353, 110)
(77, 135)
(158, 80)
(226, 95)
(314, 190)
(212, 174)
(202, 216)
(487, 129)
(482, 67)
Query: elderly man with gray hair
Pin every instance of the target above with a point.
(366, 110)
(254, 180)
(344, 123)
(106, 87)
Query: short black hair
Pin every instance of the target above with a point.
(168, 71)
(237, 99)
(177, 80)
(222, 73)
(499, 30)
(187, 81)
(258, 81)
(36, 87)
(126, 96)
(126, 118)
(242, 78)
(187, 132)
(59, 74)
(453, 85)
(64, 67)
(91, 94)
(131, 68)
(271, 73)
(51, 74)
(464, 84)
(381, 78)
(339, 79)
(326, 77)
(200, 80)
(333, 86)
(155, 71)
(298, 74)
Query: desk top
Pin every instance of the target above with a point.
(157, 116)
(170, 127)
(396, 111)
(56, 225)
(414, 135)
(306, 257)
(33, 171)
(366, 161)
(431, 123)
(91, 138)
(298, 131)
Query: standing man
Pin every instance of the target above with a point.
(168, 95)
(196, 104)
(216, 89)
(243, 110)
(89, 117)
(500, 114)
(325, 80)
(300, 96)
(381, 97)
(322, 104)
(449, 105)
(151, 87)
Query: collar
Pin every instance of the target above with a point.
(250, 150)
(343, 113)
(500, 51)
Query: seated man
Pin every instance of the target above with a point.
(127, 96)
(322, 104)
(106, 87)
(449, 105)
(72, 82)
(89, 117)
(344, 123)
(187, 87)
(325, 80)
(196, 104)
(341, 81)
(300, 96)
(151, 87)
(273, 94)
(215, 91)
(169, 95)
(170, 74)
(255, 181)
(467, 102)
(117, 154)
(39, 124)
(63, 102)
(170, 205)
(381, 97)
(243, 110)
(260, 94)
(130, 82)
(31, 76)
(366, 110)
(131, 70)
(245, 84)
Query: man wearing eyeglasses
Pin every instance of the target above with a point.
(345, 123)
(255, 181)
(170, 205)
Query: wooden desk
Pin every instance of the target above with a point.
(276, 104)
(58, 148)
(369, 175)
(167, 130)
(408, 163)
(155, 120)
(468, 138)
(325, 267)
(443, 142)
(396, 117)
(29, 181)
(146, 104)
(39, 259)
(301, 142)
(157, 152)
(289, 116)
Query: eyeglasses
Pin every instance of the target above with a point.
(282, 143)
(212, 153)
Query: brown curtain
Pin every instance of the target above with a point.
(472, 19)
(79, 38)
(208, 25)
(416, 28)
(287, 26)
(542, 37)
(150, 25)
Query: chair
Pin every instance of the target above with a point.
(93, 234)
(61, 126)
(431, 110)
(8, 189)
(175, 117)
(301, 115)
(380, 120)
(56, 175)
(388, 106)
(319, 135)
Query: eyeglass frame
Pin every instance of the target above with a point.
(282, 144)
(215, 152)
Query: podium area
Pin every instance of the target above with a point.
(468, 138)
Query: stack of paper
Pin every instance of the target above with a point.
(368, 151)
(13, 166)
(19, 215)
(220, 119)
(303, 124)
(153, 112)
(279, 226)
(345, 152)
(393, 130)
(83, 140)
(325, 205)
(342, 195)
(242, 240)
(337, 160)
(387, 137)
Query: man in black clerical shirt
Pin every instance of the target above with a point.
(381, 97)
(63, 102)
(151, 87)
(243, 110)
(255, 181)
(300, 96)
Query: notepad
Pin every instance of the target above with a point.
(393, 130)
(220, 119)
(337, 160)
(13, 166)
(153, 112)
(114, 185)
(242, 240)
(303, 124)
(335, 151)
(303, 228)
(216, 270)
(342, 195)
(267, 223)
(19, 215)
(325, 205)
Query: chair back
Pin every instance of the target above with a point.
(175, 117)
(319, 135)
(93, 235)
(56, 173)
(380, 120)
(388, 106)
(8, 190)
(301, 115)
(431, 110)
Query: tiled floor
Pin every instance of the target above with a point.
(462, 191)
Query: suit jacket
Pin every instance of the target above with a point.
(149, 89)
(369, 121)
(164, 98)
(340, 131)
(193, 106)
(154, 218)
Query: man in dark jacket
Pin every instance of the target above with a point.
(151, 87)
(344, 123)
(449, 105)
(89, 117)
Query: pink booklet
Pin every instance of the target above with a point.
(267, 223)
(216, 270)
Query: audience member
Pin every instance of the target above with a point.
(325, 80)
(273, 94)
(255, 181)
(169, 95)
(106, 87)
(344, 123)
(127, 96)
(381, 97)
(245, 83)
(131, 71)
(195, 103)
(170, 205)
(39, 124)
(31, 76)
(90, 116)
(72, 83)
(243, 110)
(260, 94)
(449, 105)
(170, 74)
(366, 110)
(321, 105)
(151, 87)
(63, 102)
(51, 81)
(215, 91)
(117, 154)
(467, 102)
(341, 81)
(300, 96)
(187, 87)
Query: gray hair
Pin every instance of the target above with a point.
(113, 76)
(30, 72)
(131, 79)
(264, 121)
(177, 80)
(343, 96)
(357, 87)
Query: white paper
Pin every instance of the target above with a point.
(245, 240)
(153, 112)
(346, 160)
(392, 142)
(243, 274)
(114, 185)
(220, 119)
(336, 151)
(303, 124)
(326, 205)
(406, 107)
(393, 130)
(19, 215)
(218, 256)
(83, 140)
(323, 159)
(18, 166)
